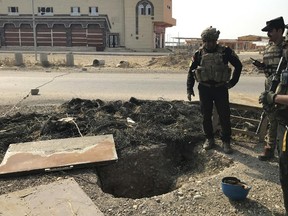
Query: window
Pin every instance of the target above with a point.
(75, 11)
(13, 10)
(145, 8)
(43, 11)
(93, 11)
(148, 9)
(141, 9)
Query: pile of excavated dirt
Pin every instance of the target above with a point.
(182, 61)
(176, 60)
(162, 168)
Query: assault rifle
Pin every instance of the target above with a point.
(273, 87)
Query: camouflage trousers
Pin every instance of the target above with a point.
(271, 135)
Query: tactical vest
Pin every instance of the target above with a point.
(212, 67)
(271, 57)
(281, 109)
(282, 88)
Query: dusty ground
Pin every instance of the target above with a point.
(162, 169)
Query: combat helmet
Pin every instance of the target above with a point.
(210, 34)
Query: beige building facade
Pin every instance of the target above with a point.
(133, 24)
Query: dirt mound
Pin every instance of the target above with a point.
(175, 60)
(182, 60)
(133, 123)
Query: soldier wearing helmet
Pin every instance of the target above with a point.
(210, 69)
(210, 34)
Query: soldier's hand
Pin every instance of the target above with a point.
(258, 64)
(267, 98)
(229, 85)
(190, 94)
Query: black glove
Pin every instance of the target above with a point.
(267, 98)
(189, 94)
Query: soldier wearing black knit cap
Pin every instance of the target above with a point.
(271, 57)
(210, 69)
(278, 101)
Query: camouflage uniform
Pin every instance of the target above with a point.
(210, 69)
(271, 58)
(282, 129)
(281, 110)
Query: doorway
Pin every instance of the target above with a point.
(113, 40)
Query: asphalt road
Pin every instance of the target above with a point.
(58, 87)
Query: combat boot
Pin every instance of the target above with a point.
(209, 144)
(268, 154)
(227, 148)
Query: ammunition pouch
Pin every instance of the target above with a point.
(282, 116)
(282, 89)
(284, 77)
(217, 73)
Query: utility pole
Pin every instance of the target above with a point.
(34, 31)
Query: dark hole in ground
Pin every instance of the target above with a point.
(146, 171)
(142, 172)
(152, 170)
(156, 147)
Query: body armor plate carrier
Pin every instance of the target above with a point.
(212, 67)
(271, 58)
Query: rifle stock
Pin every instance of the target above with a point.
(273, 87)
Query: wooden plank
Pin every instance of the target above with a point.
(249, 133)
(56, 154)
(245, 119)
(244, 107)
(262, 132)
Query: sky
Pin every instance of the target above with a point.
(232, 18)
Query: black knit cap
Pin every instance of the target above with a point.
(276, 23)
